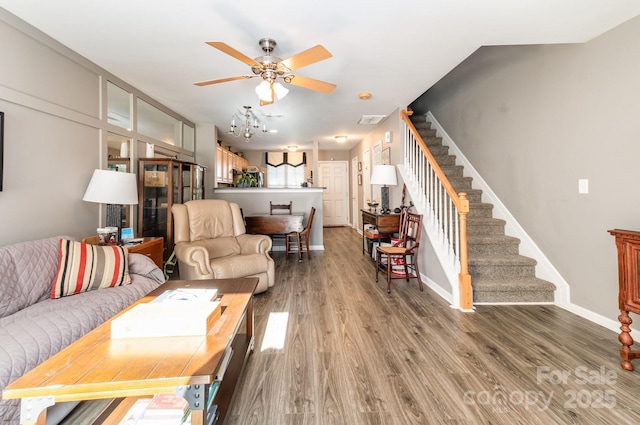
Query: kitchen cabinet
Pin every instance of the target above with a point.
(226, 163)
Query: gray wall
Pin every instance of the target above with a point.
(535, 119)
(51, 139)
(54, 135)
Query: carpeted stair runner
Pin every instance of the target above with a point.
(498, 272)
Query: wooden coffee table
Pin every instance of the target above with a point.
(98, 367)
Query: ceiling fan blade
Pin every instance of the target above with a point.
(223, 47)
(310, 83)
(223, 80)
(264, 103)
(309, 56)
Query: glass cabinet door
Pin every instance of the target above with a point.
(176, 178)
(122, 165)
(187, 183)
(198, 182)
(155, 199)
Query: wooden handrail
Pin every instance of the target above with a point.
(436, 168)
(461, 204)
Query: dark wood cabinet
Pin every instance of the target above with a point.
(385, 225)
(628, 245)
(162, 183)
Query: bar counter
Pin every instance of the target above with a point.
(255, 200)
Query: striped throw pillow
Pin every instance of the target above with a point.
(85, 267)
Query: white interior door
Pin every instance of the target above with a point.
(334, 177)
(354, 192)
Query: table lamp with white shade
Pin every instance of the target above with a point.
(114, 188)
(386, 176)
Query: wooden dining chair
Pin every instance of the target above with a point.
(296, 238)
(287, 208)
(402, 254)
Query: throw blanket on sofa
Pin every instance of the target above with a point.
(40, 326)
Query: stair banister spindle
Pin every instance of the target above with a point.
(407, 142)
(450, 223)
(430, 187)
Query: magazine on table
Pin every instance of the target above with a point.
(187, 294)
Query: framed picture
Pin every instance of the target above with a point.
(155, 178)
(1, 146)
(126, 233)
(386, 156)
(360, 179)
(359, 166)
(376, 153)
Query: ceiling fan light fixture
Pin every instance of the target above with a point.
(264, 92)
(280, 90)
(271, 68)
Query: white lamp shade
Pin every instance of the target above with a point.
(264, 91)
(384, 174)
(280, 90)
(112, 187)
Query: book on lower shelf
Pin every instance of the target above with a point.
(135, 412)
(162, 409)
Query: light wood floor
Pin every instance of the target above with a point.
(355, 355)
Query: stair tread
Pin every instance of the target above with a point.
(480, 205)
(485, 221)
(491, 239)
(502, 260)
(514, 284)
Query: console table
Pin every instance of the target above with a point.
(385, 224)
(202, 369)
(628, 245)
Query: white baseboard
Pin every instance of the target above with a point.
(442, 293)
(605, 322)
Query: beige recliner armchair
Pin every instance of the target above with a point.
(210, 243)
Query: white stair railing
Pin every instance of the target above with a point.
(445, 211)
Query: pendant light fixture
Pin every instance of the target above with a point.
(248, 128)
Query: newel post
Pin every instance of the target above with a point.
(464, 278)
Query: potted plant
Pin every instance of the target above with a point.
(246, 180)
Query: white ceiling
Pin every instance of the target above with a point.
(395, 50)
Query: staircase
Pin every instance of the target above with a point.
(499, 273)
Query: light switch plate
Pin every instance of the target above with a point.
(387, 137)
(583, 186)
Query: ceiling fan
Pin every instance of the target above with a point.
(272, 68)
